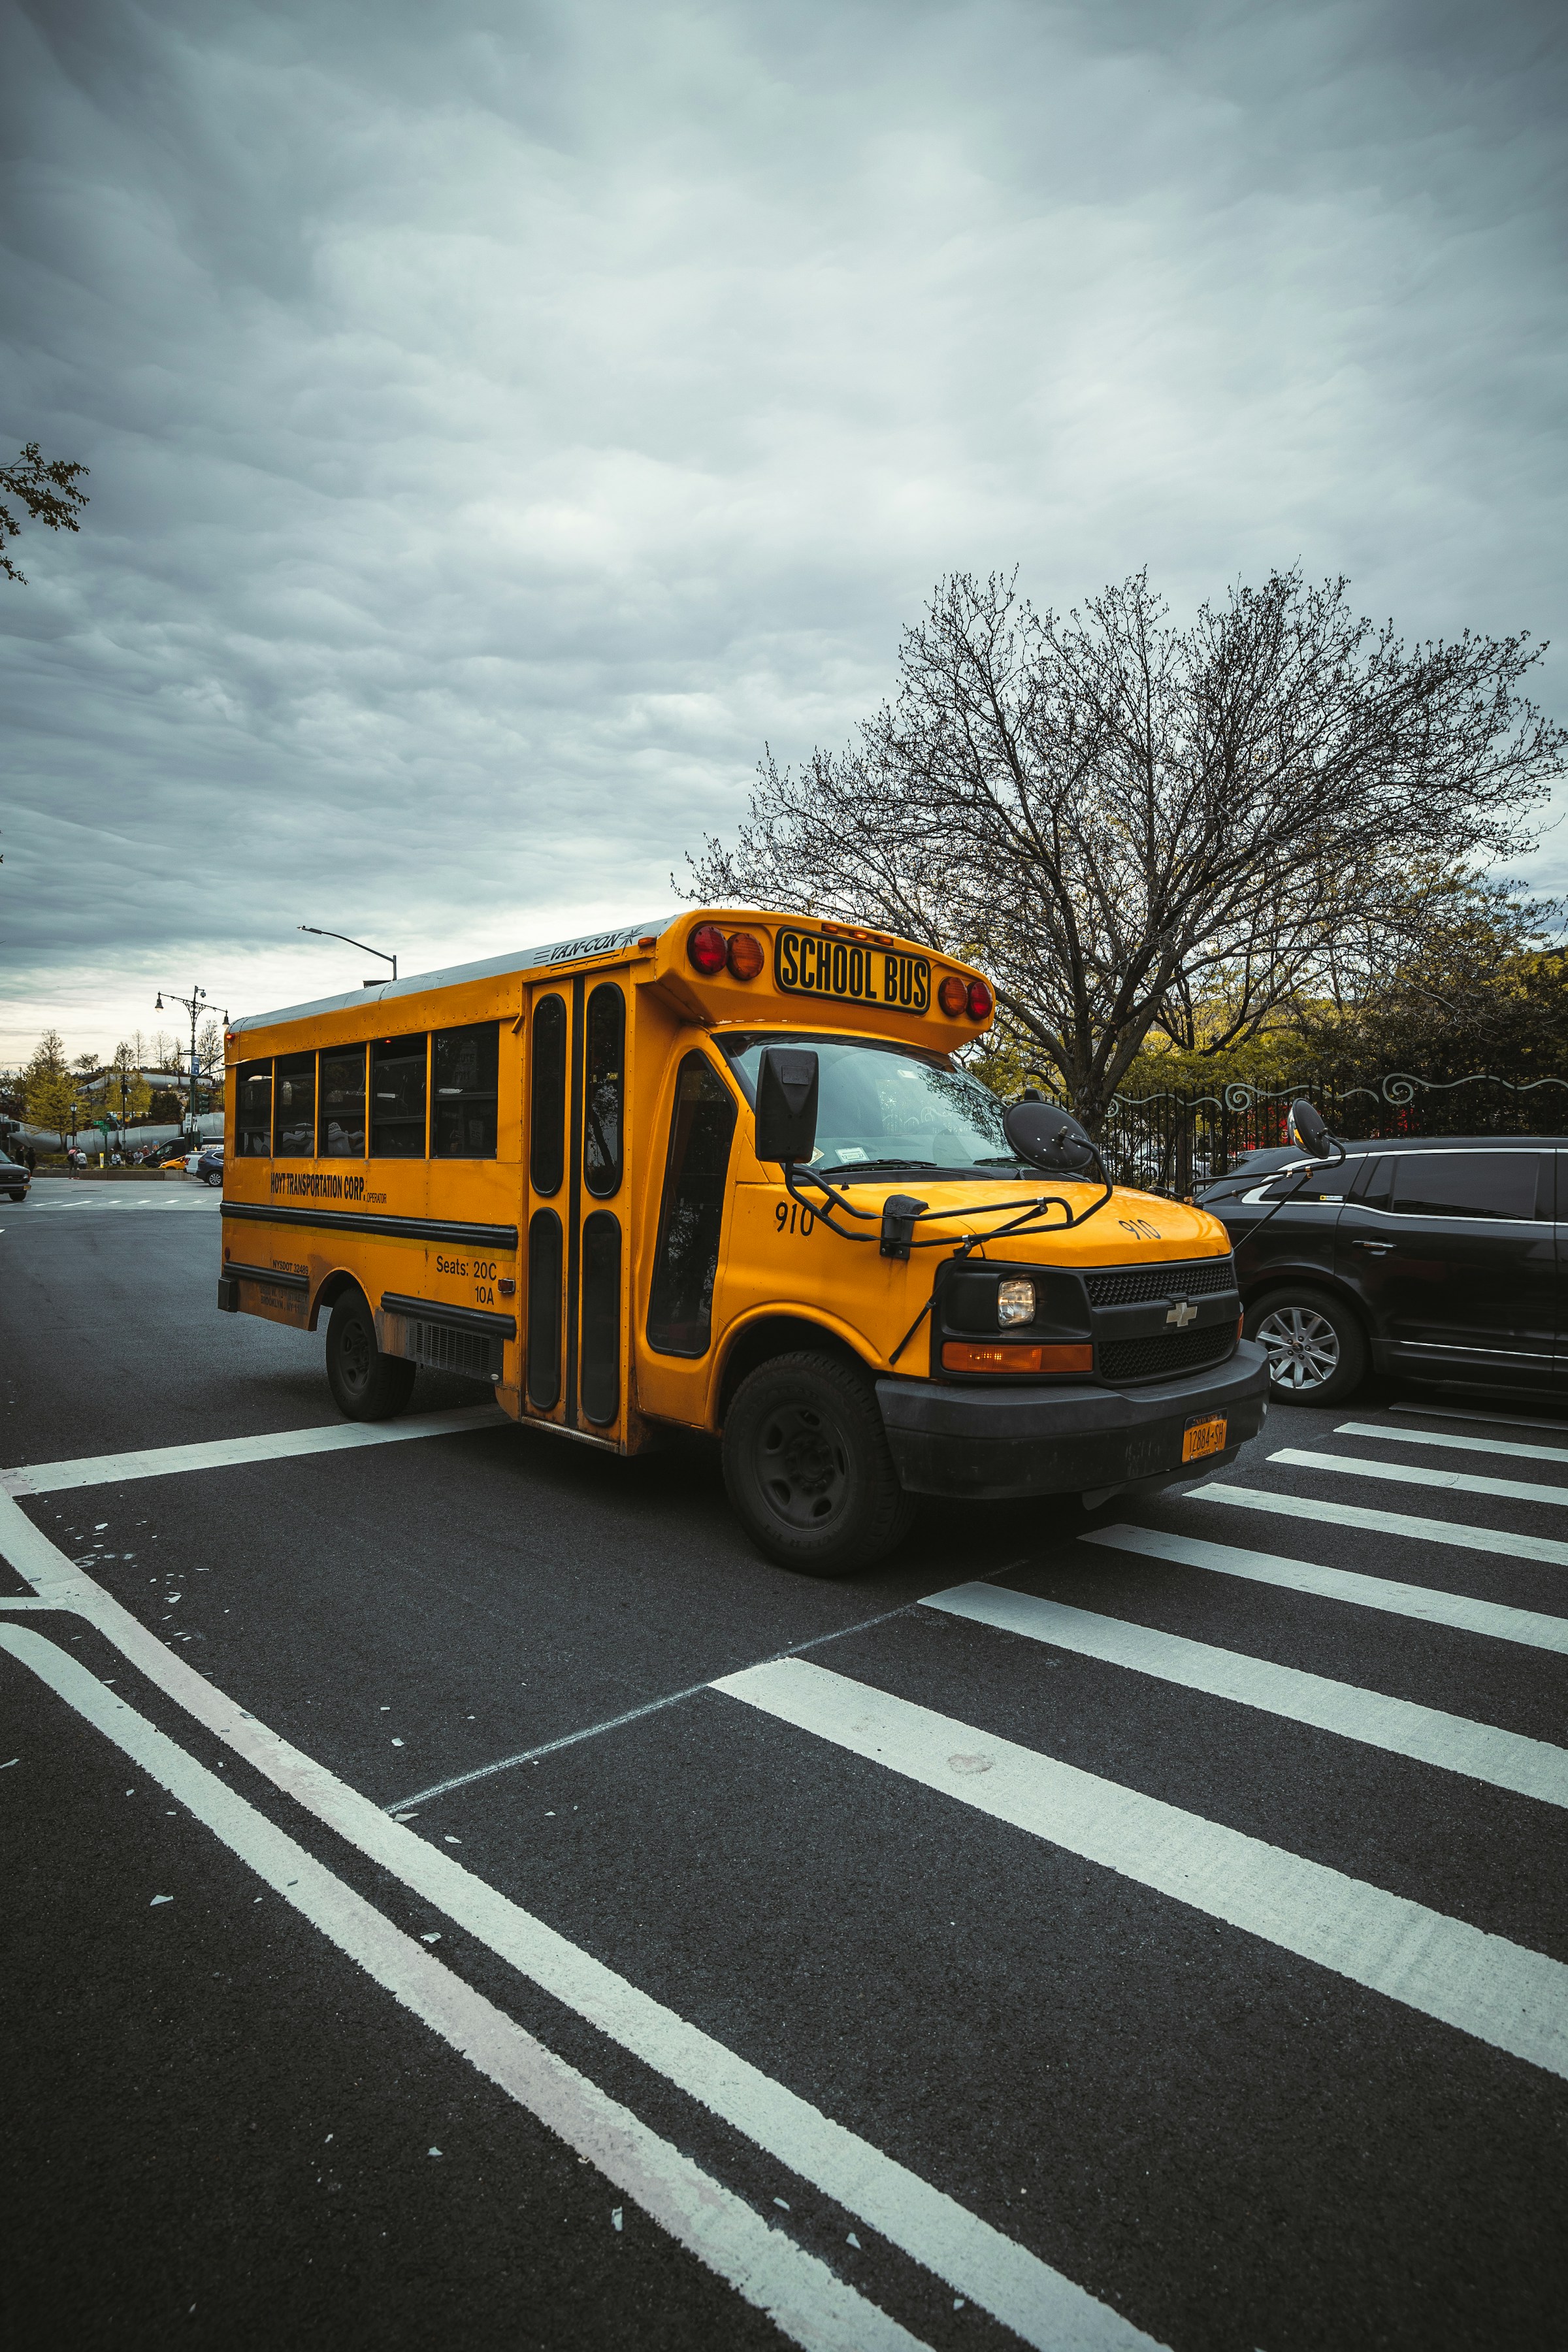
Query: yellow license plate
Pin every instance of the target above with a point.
(1201, 1437)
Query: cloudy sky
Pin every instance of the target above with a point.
(504, 418)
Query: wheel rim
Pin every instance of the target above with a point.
(803, 1467)
(1302, 1348)
(354, 1355)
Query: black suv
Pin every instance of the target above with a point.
(1435, 1256)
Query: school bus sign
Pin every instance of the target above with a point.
(729, 1172)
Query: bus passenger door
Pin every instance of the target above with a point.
(575, 1321)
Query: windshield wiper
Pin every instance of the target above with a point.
(864, 1167)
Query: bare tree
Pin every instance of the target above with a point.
(1124, 820)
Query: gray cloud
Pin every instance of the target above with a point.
(502, 419)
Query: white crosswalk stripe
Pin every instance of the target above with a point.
(1406, 1473)
(1531, 1768)
(1460, 1609)
(1503, 1994)
(1452, 1442)
(1329, 1511)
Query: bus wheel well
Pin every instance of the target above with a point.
(326, 1298)
(777, 1335)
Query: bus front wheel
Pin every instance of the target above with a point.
(367, 1384)
(807, 1469)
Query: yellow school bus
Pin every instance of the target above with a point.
(727, 1172)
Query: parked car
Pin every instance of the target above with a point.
(14, 1178)
(209, 1164)
(1435, 1256)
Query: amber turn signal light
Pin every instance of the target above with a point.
(707, 949)
(972, 1356)
(743, 956)
(953, 996)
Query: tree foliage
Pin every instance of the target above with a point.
(47, 488)
(1138, 827)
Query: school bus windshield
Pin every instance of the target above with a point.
(883, 1107)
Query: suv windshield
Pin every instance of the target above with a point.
(884, 1107)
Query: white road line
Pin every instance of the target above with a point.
(1503, 1994)
(1333, 1513)
(1489, 1446)
(229, 1452)
(978, 2262)
(1530, 1768)
(1406, 1473)
(1502, 1420)
(1419, 1601)
(796, 2291)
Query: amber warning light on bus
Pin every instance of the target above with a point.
(741, 955)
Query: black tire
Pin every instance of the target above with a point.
(18, 1198)
(1314, 1341)
(366, 1385)
(210, 1180)
(807, 1469)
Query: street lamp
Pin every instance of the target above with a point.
(193, 1004)
(392, 959)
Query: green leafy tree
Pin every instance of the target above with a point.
(46, 487)
(48, 1086)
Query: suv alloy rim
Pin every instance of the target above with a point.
(1302, 1347)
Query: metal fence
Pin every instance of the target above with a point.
(1169, 1142)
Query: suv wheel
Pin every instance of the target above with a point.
(807, 1469)
(1314, 1342)
(367, 1384)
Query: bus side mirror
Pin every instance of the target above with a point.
(1308, 1132)
(1048, 1136)
(787, 1103)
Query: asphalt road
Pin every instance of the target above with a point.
(408, 1942)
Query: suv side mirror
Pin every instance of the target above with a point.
(1308, 1130)
(787, 1103)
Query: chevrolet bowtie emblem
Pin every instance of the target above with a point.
(1182, 1313)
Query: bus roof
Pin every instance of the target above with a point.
(557, 952)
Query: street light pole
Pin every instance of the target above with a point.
(193, 1004)
(316, 934)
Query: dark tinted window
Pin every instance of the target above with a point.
(463, 1067)
(1317, 1184)
(1371, 1187)
(253, 1111)
(339, 1113)
(547, 1083)
(601, 1374)
(544, 1309)
(680, 1308)
(294, 1108)
(1466, 1183)
(604, 1088)
(397, 1098)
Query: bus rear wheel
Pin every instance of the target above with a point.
(365, 1384)
(807, 1469)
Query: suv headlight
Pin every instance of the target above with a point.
(1015, 1303)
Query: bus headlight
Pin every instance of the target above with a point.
(1015, 1303)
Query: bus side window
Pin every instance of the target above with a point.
(341, 1110)
(254, 1124)
(463, 1069)
(397, 1098)
(680, 1303)
(294, 1108)
(547, 1116)
(606, 1081)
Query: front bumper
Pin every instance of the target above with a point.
(1004, 1442)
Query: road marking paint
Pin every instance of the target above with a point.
(1502, 1420)
(632, 1715)
(1530, 1768)
(769, 2270)
(229, 1453)
(1333, 1513)
(1434, 1608)
(1492, 1445)
(1485, 1986)
(1025, 2293)
(1406, 1473)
